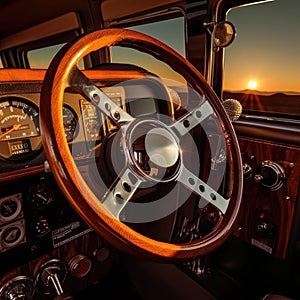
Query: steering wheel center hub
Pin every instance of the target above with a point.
(161, 147)
(154, 151)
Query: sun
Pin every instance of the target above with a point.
(252, 84)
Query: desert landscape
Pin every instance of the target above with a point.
(274, 102)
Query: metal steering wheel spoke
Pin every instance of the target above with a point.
(192, 119)
(202, 189)
(121, 191)
(98, 97)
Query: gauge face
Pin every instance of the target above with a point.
(93, 129)
(19, 128)
(10, 208)
(70, 123)
(40, 196)
(18, 119)
(12, 235)
(92, 123)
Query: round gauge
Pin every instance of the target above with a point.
(10, 207)
(70, 123)
(19, 128)
(40, 196)
(12, 235)
(41, 226)
(18, 119)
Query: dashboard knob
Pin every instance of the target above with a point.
(17, 288)
(247, 171)
(267, 230)
(79, 265)
(101, 254)
(258, 178)
(269, 174)
(50, 277)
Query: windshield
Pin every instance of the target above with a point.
(261, 67)
(170, 31)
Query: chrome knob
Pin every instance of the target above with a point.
(50, 277)
(269, 174)
(17, 288)
(247, 171)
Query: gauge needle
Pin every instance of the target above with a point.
(15, 127)
(8, 208)
(41, 196)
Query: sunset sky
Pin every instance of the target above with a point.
(266, 49)
(265, 55)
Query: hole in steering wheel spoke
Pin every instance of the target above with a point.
(107, 106)
(116, 115)
(119, 198)
(213, 197)
(96, 97)
(186, 123)
(198, 114)
(202, 188)
(192, 181)
(126, 187)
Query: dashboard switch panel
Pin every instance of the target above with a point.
(270, 195)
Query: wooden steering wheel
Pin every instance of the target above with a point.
(161, 142)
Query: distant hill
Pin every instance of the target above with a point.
(276, 102)
(263, 93)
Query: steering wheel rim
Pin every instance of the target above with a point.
(85, 203)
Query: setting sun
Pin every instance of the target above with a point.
(252, 85)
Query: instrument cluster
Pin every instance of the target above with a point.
(20, 136)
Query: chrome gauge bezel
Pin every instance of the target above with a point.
(10, 208)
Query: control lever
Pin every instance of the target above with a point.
(50, 277)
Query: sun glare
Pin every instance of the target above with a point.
(252, 85)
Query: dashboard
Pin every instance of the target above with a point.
(84, 125)
(38, 226)
(35, 217)
(37, 222)
(20, 138)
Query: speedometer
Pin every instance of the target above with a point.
(19, 128)
(18, 119)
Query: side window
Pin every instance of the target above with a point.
(171, 32)
(261, 67)
(1, 64)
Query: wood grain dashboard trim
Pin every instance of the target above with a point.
(278, 206)
(27, 75)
